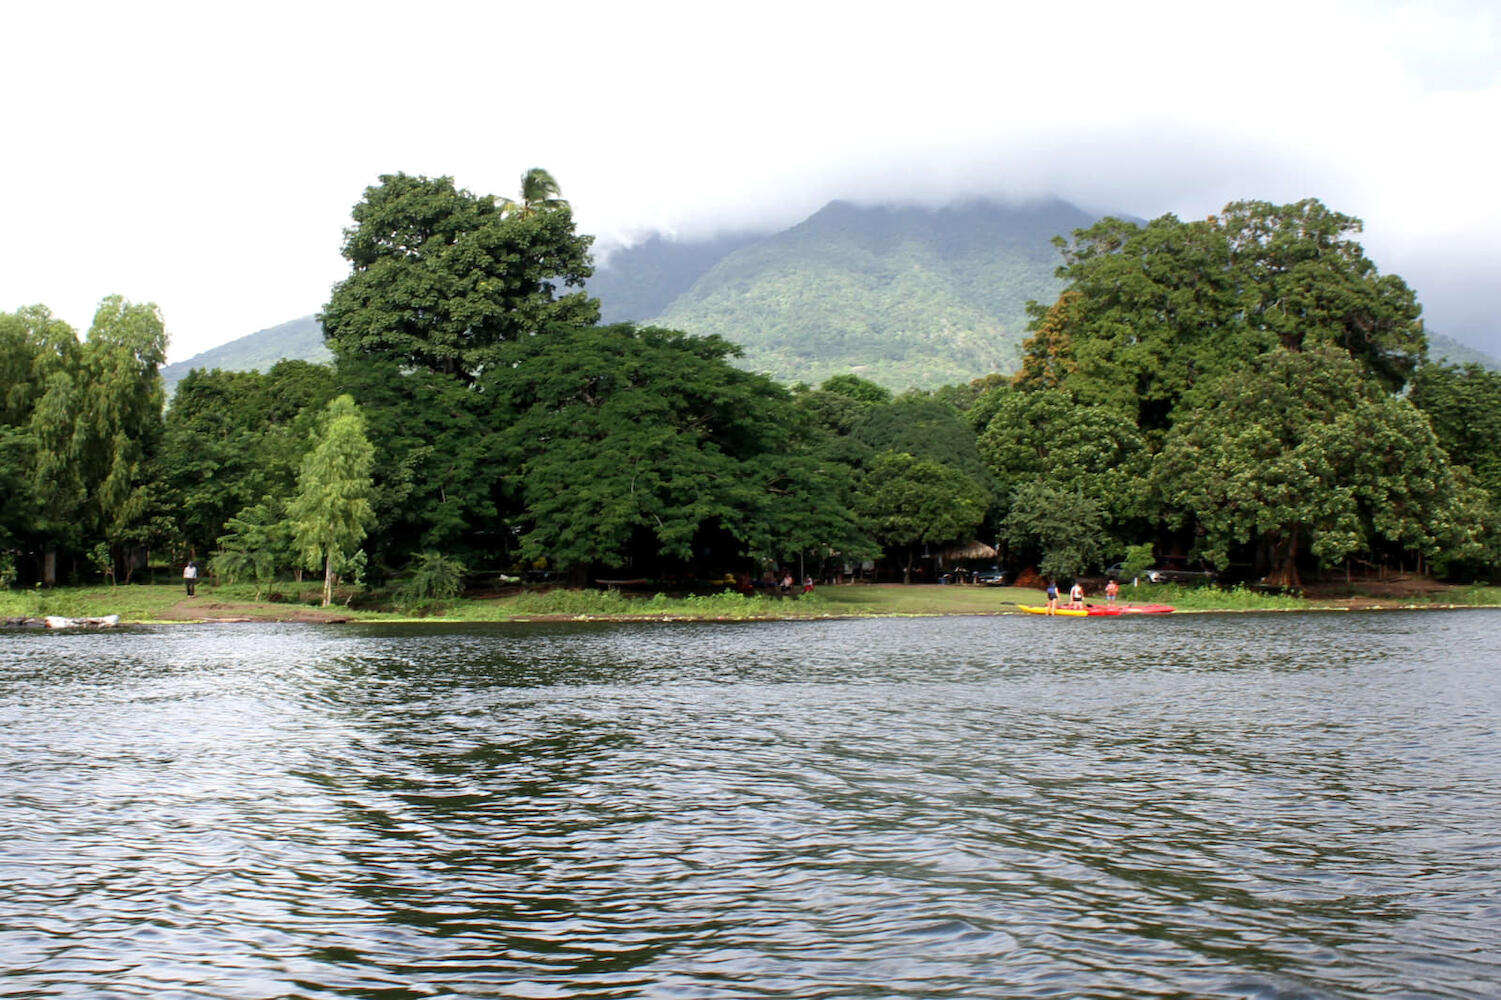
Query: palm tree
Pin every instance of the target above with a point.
(539, 192)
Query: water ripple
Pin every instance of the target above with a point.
(1238, 806)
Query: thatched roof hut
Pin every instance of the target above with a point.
(974, 550)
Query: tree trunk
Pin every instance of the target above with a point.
(1285, 560)
(49, 567)
(328, 578)
(907, 569)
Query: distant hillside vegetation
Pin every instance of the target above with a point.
(639, 282)
(905, 296)
(300, 340)
(1448, 351)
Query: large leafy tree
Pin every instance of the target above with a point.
(1067, 526)
(118, 432)
(438, 466)
(234, 438)
(442, 281)
(647, 441)
(331, 513)
(34, 347)
(1046, 437)
(1463, 403)
(908, 501)
(925, 427)
(441, 277)
(94, 424)
(1154, 312)
(1302, 451)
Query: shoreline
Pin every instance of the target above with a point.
(251, 612)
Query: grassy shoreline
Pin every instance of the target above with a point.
(159, 604)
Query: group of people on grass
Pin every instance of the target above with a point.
(1076, 595)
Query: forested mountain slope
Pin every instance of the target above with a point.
(639, 282)
(299, 340)
(902, 295)
(1448, 351)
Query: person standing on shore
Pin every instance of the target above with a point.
(1076, 596)
(190, 576)
(1111, 589)
(1052, 596)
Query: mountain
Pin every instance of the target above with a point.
(905, 296)
(638, 282)
(299, 339)
(1448, 351)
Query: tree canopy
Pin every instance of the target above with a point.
(440, 276)
(621, 438)
(1152, 312)
(1247, 389)
(331, 512)
(1301, 450)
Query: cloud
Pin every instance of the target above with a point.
(206, 157)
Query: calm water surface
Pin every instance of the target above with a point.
(1209, 806)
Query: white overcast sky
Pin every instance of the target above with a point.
(205, 156)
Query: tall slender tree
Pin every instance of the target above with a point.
(331, 512)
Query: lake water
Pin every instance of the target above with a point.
(1269, 806)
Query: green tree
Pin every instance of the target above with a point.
(631, 442)
(442, 282)
(1066, 526)
(428, 579)
(256, 542)
(331, 512)
(1463, 403)
(1303, 451)
(539, 193)
(1046, 437)
(57, 486)
(924, 427)
(120, 424)
(210, 465)
(439, 467)
(908, 501)
(1152, 312)
(441, 277)
(232, 438)
(95, 424)
(857, 389)
(34, 347)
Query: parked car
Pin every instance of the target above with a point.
(993, 577)
(1180, 574)
(1170, 573)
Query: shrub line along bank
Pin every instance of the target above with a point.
(164, 605)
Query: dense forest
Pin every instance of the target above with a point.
(904, 296)
(1246, 390)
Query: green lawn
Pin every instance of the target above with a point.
(161, 602)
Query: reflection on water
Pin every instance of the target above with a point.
(1238, 806)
